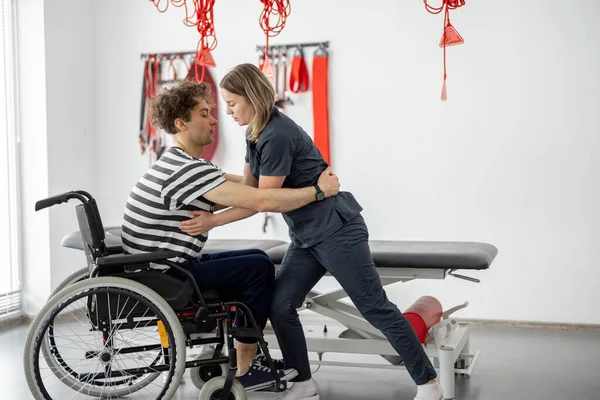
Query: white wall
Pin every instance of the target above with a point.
(70, 69)
(509, 159)
(33, 155)
(56, 70)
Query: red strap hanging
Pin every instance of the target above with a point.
(143, 111)
(149, 137)
(171, 67)
(154, 142)
(267, 69)
(450, 35)
(283, 95)
(299, 73)
(320, 104)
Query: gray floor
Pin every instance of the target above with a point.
(515, 364)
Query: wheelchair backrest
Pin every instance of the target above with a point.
(92, 231)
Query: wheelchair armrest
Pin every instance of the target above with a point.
(114, 249)
(140, 258)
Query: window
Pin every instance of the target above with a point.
(10, 296)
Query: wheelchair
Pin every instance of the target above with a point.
(122, 326)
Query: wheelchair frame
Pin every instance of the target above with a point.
(201, 313)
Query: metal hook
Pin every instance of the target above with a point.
(320, 51)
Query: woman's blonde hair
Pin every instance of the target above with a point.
(249, 81)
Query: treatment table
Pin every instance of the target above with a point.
(402, 261)
(447, 343)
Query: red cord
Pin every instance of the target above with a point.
(278, 8)
(176, 3)
(446, 6)
(157, 5)
(202, 17)
(153, 135)
(449, 4)
(205, 25)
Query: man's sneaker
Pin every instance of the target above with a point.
(262, 359)
(260, 376)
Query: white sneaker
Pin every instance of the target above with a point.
(430, 392)
(299, 391)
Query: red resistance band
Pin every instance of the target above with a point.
(279, 10)
(450, 36)
(298, 74)
(201, 15)
(320, 105)
(208, 40)
(143, 117)
(149, 138)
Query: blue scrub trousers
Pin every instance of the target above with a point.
(347, 257)
(247, 276)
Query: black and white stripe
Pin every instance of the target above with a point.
(162, 198)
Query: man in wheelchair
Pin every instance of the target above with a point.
(181, 182)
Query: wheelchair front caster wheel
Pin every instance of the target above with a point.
(213, 390)
(201, 375)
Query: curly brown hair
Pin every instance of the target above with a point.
(176, 102)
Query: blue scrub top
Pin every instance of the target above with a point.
(285, 149)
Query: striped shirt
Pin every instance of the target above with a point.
(163, 198)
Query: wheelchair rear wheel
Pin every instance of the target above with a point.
(105, 337)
